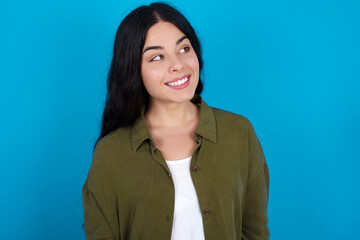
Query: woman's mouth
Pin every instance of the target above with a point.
(179, 83)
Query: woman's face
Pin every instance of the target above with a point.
(169, 67)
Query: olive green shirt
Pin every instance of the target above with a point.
(129, 193)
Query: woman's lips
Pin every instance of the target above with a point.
(179, 83)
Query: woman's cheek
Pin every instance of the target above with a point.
(194, 61)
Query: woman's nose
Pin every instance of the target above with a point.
(176, 65)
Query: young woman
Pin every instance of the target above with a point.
(168, 166)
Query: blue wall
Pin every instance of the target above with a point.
(291, 67)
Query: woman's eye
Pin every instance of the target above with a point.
(184, 49)
(156, 58)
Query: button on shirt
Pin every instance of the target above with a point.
(129, 193)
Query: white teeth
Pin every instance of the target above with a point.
(179, 82)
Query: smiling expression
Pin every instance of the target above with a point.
(169, 66)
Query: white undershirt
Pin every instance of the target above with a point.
(187, 224)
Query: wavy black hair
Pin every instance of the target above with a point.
(127, 96)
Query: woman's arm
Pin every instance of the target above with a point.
(99, 197)
(96, 224)
(255, 210)
(256, 200)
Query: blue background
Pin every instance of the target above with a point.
(290, 67)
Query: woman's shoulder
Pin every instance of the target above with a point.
(115, 143)
(114, 137)
(230, 119)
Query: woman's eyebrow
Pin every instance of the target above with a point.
(181, 39)
(160, 47)
(152, 47)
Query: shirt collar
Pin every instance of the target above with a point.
(206, 127)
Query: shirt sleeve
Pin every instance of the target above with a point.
(256, 200)
(96, 225)
(100, 198)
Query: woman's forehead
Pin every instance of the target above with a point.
(163, 33)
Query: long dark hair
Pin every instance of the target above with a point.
(127, 96)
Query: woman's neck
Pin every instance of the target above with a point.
(171, 114)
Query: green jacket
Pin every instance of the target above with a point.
(129, 192)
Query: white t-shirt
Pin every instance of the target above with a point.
(187, 223)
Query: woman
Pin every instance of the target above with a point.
(166, 165)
